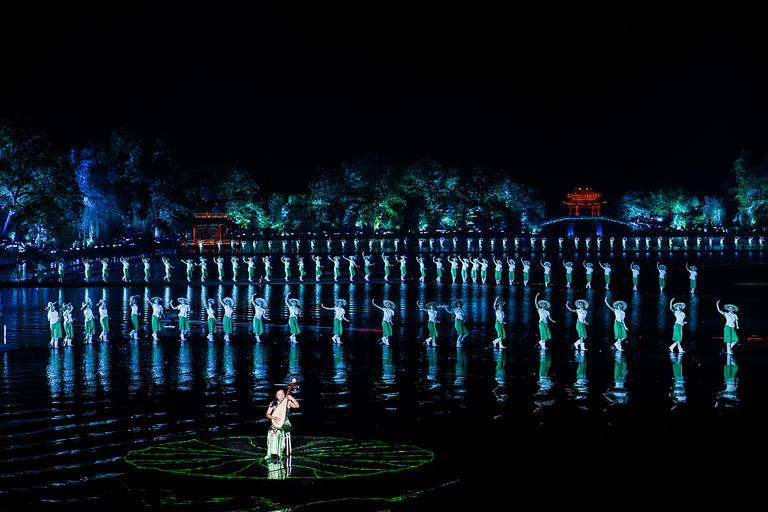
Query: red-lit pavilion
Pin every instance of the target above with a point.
(584, 198)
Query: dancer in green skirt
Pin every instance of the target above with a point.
(293, 317)
(367, 264)
(499, 325)
(228, 303)
(339, 317)
(619, 309)
(352, 265)
(731, 324)
(210, 312)
(459, 315)
(581, 322)
(133, 305)
(183, 309)
(542, 308)
(438, 261)
(589, 268)
(259, 315)
(635, 274)
(103, 319)
(89, 321)
(66, 313)
(568, 273)
(54, 324)
(431, 309)
(677, 333)
(388, 308)
(157, 315)
(692, 274)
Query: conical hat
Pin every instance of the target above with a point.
(735, 308)
(340, 302)
(620, 304)
(389, 304)
(544, 304)
(582, 303)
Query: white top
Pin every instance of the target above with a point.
(53, 316)
(157, 310)
(731, 319)
(619, 314)
(679, 317)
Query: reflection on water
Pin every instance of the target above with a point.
(71, 414)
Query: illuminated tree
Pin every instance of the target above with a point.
(668, 206)
(240, 195)
(750, 189)
(37, 187)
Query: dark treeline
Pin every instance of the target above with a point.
(132, 186)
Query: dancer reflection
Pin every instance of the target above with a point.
(677, 333)
(259, 315)
(459, 315)
(731, 324)
(499, 324)
(388, 309)
(619, 309)
(581, 322)
(276, 437)
(431, 309)
(542, 308)
(293, 317)
(339, 316)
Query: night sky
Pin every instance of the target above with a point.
(611, 96)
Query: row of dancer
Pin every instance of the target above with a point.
(388, 311)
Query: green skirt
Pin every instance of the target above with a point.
(227, 324)
(581, 329)
(729, 335)
(337, 328)
(293, 325)
(677, 333)
(619, 332)
(461, 329)
(56, 330)
(544, 331)
(386, 328)
(432, 328)
(500, 332)
(258, 326)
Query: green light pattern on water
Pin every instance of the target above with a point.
(327, 458)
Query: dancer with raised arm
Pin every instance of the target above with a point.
(589, 268)
(89, 321)
(338, 318)
(54, 324)
(431, 309)
(183, 309)
(568, 273)
(662, 269)
(619, 309)
(210, 314)
(581, 322)
(293, 317)
(459, 315)
(134, 306)
(388, 310)
(228, 326)
(606, 273)
(731, 324)
(259, 315)
(677, 333)
(542, 308)
(499, 324)
(635, 274)
(157, 315)
(692, 274)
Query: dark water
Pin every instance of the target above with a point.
(518, 423)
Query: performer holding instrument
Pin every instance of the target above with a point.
(278, 437)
